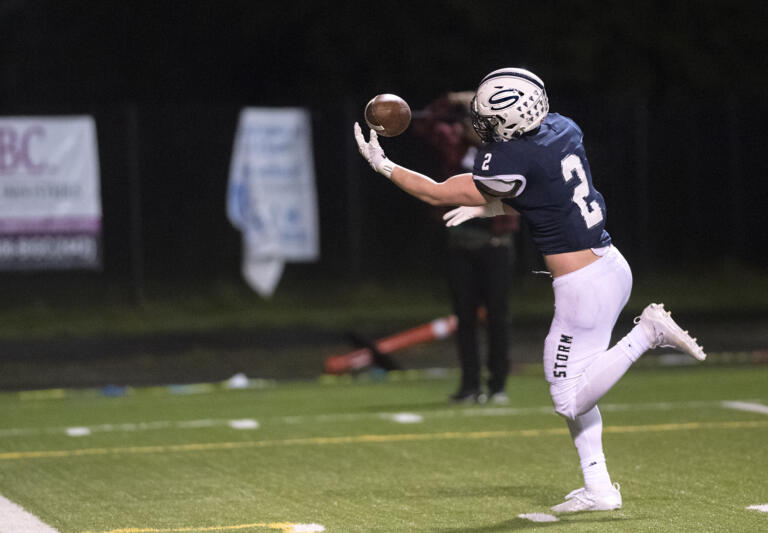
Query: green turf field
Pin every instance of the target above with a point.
(385, 456)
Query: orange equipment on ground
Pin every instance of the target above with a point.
(362, 357)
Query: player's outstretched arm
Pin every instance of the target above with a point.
(456, 190)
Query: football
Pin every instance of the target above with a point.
(387, 115)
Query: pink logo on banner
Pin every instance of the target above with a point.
(15, 150)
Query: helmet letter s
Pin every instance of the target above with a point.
(504, 98)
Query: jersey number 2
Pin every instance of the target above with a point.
(591, 212)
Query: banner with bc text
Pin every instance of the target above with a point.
(50, 203)
(271, 194)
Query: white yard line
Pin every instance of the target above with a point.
(79, 431)
(14, 519)
(476, 411)
(398, 417)
(746, 406)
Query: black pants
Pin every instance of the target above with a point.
(481, 277)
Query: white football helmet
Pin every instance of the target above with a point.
(508, 103)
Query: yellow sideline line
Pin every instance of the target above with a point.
(363, 439)
(283, 526)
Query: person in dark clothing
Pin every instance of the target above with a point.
(480, 255)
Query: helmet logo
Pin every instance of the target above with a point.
(504, 98)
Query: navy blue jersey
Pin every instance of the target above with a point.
(545, 176)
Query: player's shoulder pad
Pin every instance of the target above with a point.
(499, 169)
(570, 123)
(503, 186)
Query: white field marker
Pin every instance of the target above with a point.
(307, 528)
(14, 519)
(762, 508)
(539, 517)
(747, 406)
(244, 423)
(407, 418)
(78, 432)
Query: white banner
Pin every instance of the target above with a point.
(271, 195)
(50, 202)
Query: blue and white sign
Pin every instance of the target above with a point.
(271, 195)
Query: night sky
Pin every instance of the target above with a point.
(674, 89)
(305, 52)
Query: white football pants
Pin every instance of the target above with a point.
(577, 362)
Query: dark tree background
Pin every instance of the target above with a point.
(668, 93)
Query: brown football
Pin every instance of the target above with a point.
(387, 115)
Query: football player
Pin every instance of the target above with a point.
(533, 162)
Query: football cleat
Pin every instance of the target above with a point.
(665, 333)
(498, 398)
(586, 500)
(468, 396)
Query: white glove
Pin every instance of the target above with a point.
(373, 153)
(462, 214)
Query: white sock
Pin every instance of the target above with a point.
(636, 342)
(610, 366)
(587, 434)
(596, 478)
